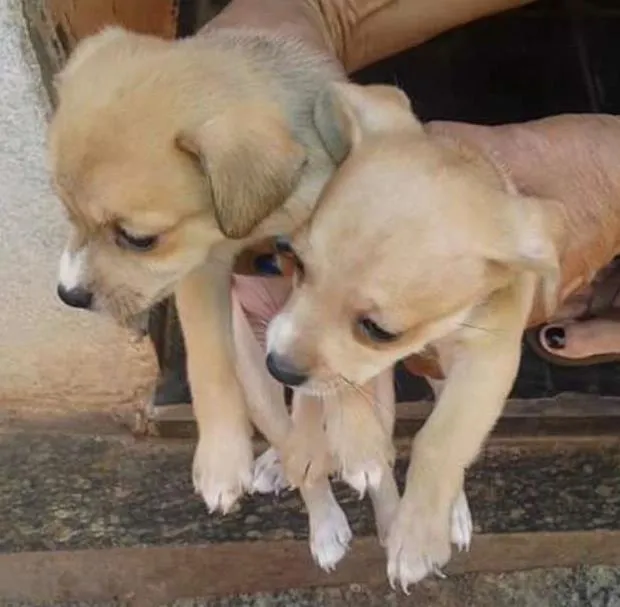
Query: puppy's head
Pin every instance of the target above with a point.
(158, 157)
(409, 238)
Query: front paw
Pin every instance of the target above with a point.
(330, 536)
(362, 447)
(222, 471)
(418, 543)
(269, 476)
(362, 476)
(363, 464)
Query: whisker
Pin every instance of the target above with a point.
(475, 327)
(360, 390)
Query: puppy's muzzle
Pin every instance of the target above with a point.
(77, 297)
(284, 371)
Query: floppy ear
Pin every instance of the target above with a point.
(345, 112)
(251, 161)
(527, 243)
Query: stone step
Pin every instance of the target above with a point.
(99, 517)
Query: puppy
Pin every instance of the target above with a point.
(170, 157)
(437, 253)
(345, 431)
(305, 453)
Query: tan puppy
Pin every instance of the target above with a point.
(435, 251)
(305, 453)
(169, 158)
(165, 155)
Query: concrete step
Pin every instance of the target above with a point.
(113, 518)
(560, 587)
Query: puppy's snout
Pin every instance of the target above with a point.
(77, 297)
(284, 371)
(71, 274)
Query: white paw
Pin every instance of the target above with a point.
(363, 477)
(222, 471)
(330, 536)
(461, 524)
(269, 474)
(418, 544)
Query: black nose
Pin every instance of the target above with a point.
(284, 371)
(78, 297)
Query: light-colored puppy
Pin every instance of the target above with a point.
(305, 453)
(170, 157)
(436, 251)
(345, 431)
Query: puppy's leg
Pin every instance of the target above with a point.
(483, 365)
(384, 497)
(302, 439)
(308, 462)
(360, 435)
(223, 457)
(306, 455)
(265, 401)
(461, 524)
(330, 533)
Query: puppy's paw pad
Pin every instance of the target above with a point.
(461, 524)
(330, 538)
(269, 474)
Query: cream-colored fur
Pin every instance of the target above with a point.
(207, 144)
(210, 144)
(434, 250)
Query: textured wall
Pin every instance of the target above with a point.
(48, 353)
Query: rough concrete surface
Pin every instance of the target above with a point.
(48, 355)
(582, 587)
(562, 587)
(70, 492)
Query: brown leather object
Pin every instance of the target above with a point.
(360, 32)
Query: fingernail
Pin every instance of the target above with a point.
(555, 338)
(267, 264)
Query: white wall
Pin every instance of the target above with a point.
(49, 354)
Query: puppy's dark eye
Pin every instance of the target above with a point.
(131, 242)
(374, 332)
